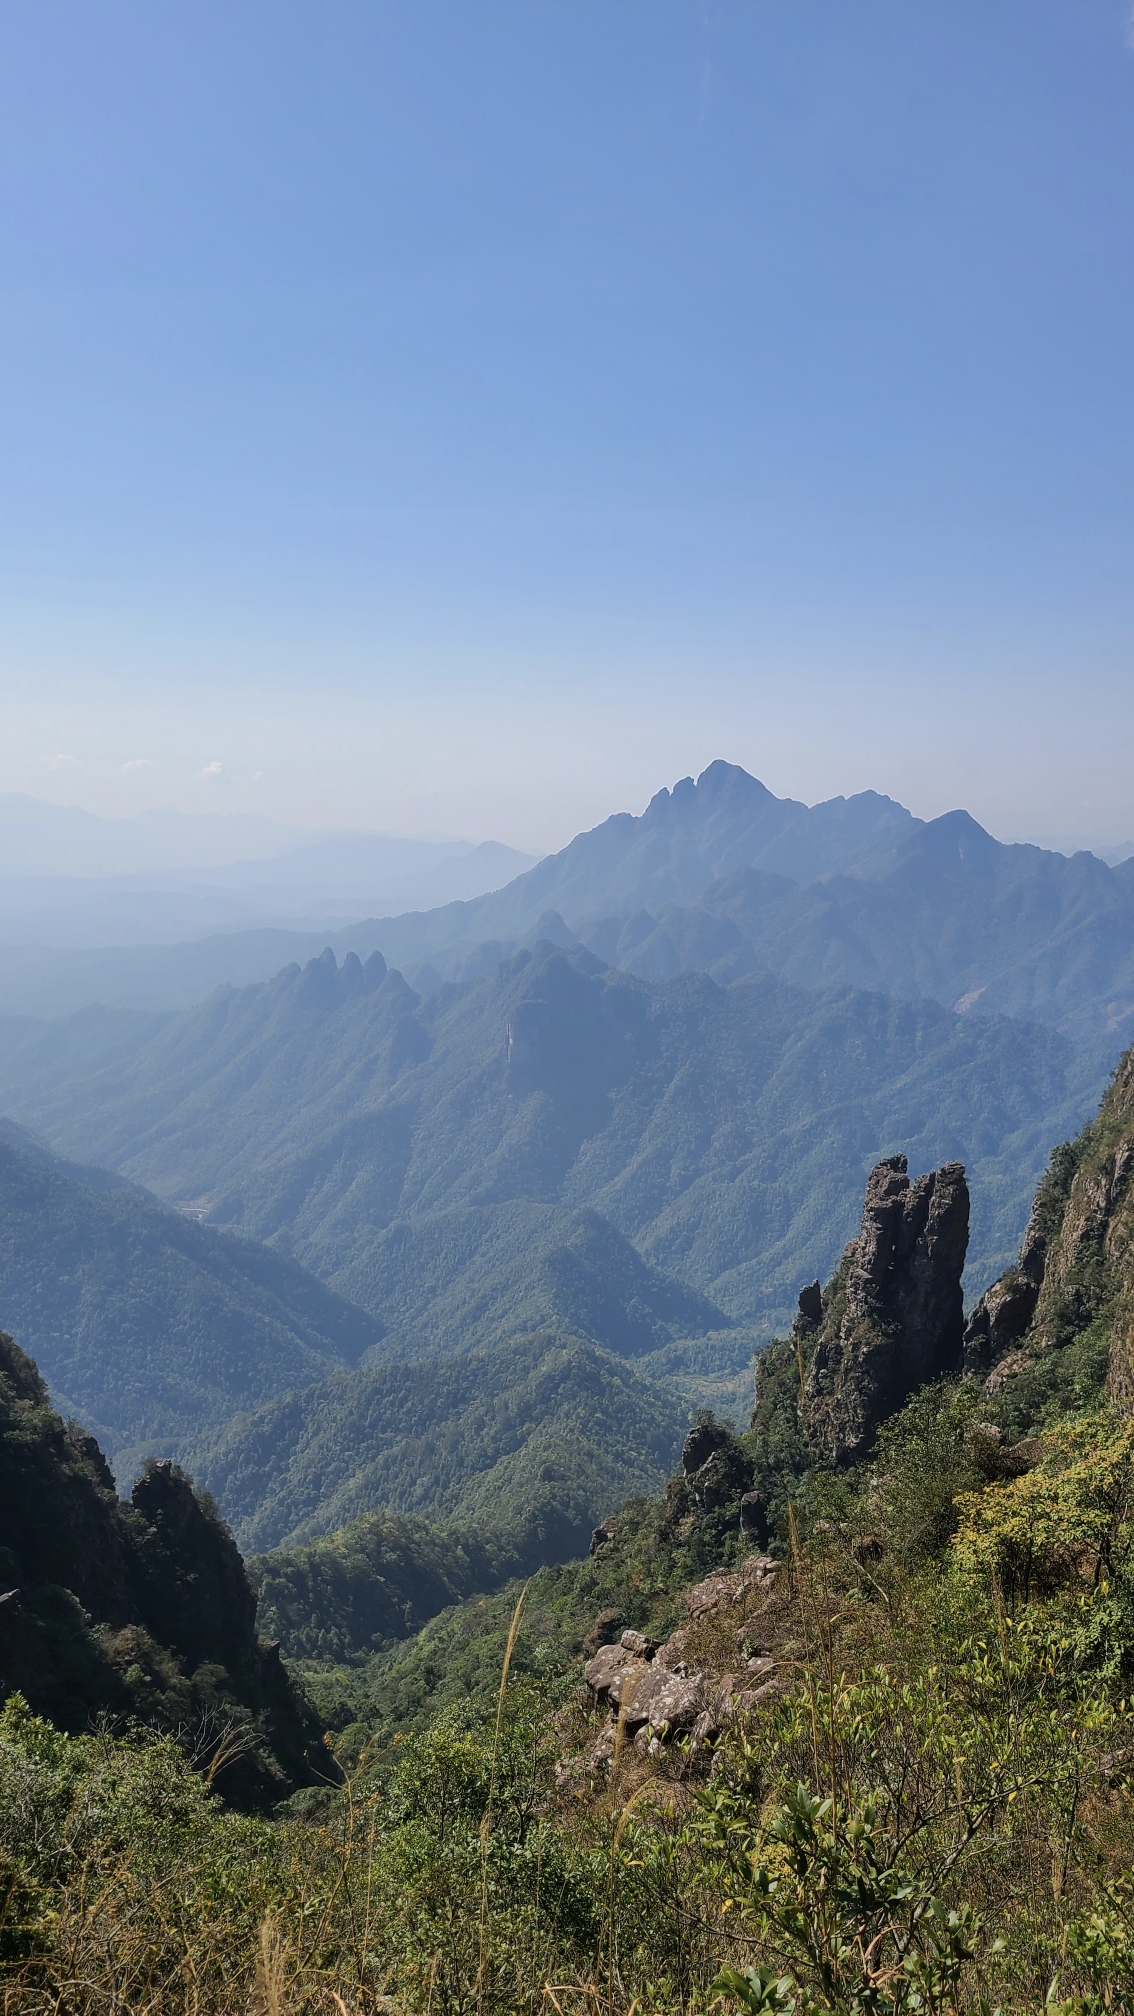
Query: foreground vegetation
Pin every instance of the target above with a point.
(936, 1812)
(928, 1808)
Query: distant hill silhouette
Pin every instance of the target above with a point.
(719, 875)
(944, 911)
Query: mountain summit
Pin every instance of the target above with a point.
(686, 839)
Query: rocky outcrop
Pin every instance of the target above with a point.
(893, 1317)
(1075, 1273)
(715, 1467)
(143, 1612)
(1003, 1316)
(683, 1687)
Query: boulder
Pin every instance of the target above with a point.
(701, 1443)
(604, 1534)
(674, 1654)
(809, 1314)
(1007, 1369)
(729, 1702)
(726, 1585)
(637, 1643)
(715, 1469)
(759, 1572)
(601, 1752)
(602, 1672)
(663, 1699)
(616, 1693)
(717, 1590)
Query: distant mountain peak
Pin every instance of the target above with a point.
(718, 780)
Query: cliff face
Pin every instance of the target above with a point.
(1074, 1280)
(141, 1611)
(893, 1316)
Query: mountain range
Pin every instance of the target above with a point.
(619, 1142)
(430, 1158)
(721, 876)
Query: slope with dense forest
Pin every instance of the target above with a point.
(428, 1158)
(518, 1448)
(140, 1611)
(146, 1324)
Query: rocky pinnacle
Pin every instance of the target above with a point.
(893, 1316)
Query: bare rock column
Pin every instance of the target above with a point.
(893, 1317)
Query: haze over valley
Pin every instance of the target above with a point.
(627, 1101)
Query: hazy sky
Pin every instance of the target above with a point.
(472, 416)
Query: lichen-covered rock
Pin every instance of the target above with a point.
(726, 1586)
(674, 1654)
(893, 1317)
(717, 1590)
(603, 1671)
(637, 1643)
(623, 1681)
(663, 1699)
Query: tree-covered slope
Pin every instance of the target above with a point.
(429, 1157)
(142, 1610)
(369, 1584)
(146, 1324)
(525, 1445)
(945, 911)
(1060, 1321)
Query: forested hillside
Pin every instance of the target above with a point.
(141, 1611)
(147, 1325)
(520, 1448)
(428, 1157)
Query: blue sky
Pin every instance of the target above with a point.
(470, 417)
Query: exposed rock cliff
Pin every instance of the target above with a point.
(143, 1611)
(893, 1316)
(1074, 1281)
